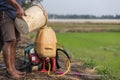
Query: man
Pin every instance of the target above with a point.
(9, 36)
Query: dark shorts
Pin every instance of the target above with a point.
(7, 28)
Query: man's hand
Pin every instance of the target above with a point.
(19, 10)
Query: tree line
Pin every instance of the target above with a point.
(74, 16)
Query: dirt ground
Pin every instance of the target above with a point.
(77, 72)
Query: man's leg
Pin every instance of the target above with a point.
(7, 58)
(9, 47)
(13, 53)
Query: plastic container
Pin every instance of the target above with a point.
(45, 43)
(35, 18)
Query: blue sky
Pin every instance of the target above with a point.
(92, 7)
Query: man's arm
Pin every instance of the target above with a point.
(19, 10)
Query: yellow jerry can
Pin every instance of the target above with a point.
(45, 43)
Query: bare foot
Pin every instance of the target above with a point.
(18, 72)
(13, 74)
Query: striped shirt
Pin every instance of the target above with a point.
(8, 8)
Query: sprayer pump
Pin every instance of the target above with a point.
(43, 55)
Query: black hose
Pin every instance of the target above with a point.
(57, 56)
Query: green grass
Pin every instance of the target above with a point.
(103, 48)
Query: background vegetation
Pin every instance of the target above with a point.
(75, 16)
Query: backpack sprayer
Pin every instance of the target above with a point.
(43, 54)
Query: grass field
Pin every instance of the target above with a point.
(102, 48)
